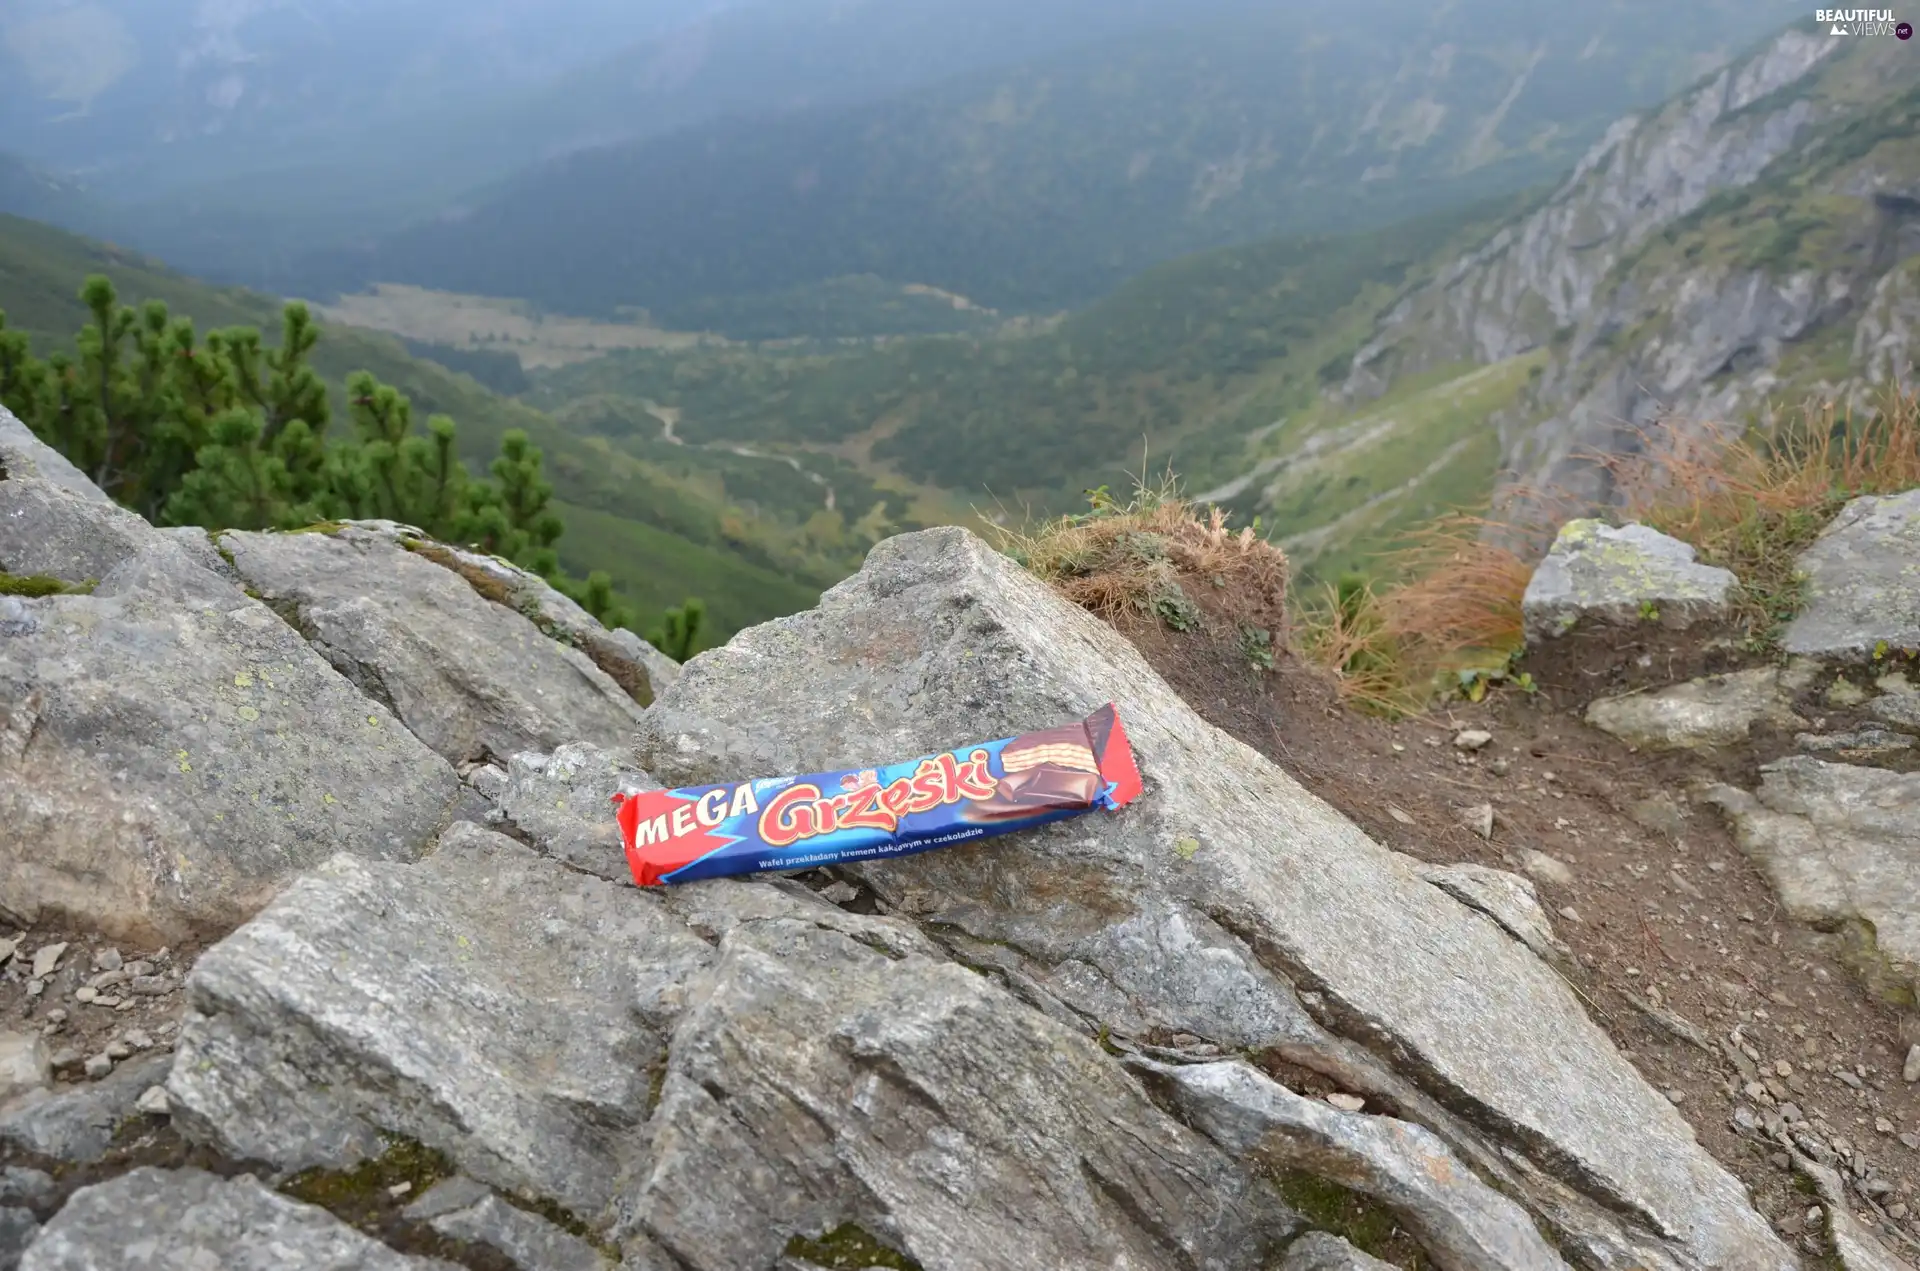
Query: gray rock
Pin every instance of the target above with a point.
(461, 1209)
(1853, 1241)
(473, 679)
(487, 1002)
(1463, 1224)
(635, 665)
(183, 1220)
(171, 752)
(1319, 1251)
(1860, 744)
(24, 455)
(49, 529)
(198, 545)
(1718, 710)
(76, 1124)
(24, 1065)
(489, 781)
(1841, 845)
(18, 1228)
(1508, 899)
(565, 801)
(817, 1080)
(24, 1187)
(939, 641)
(1596, 573)
(1902, 710)
(624, 656)
(661, 669)
(1863, 582)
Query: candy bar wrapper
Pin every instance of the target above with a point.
(788, 823)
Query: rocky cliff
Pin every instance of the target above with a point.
(373, 772)
(1750, 242)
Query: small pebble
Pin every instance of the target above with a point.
(118, 1050)
(137, 967)
(98, 1066)
(36, 987)
(1782, 1067)
(85, 993)
(1472, 739)
(1897, 1210)
(153, 1101)
(1346, 1102)
(66, 1057)
(151, 985)
(138, 1039)
(46, 960)
(108, 959)
(1910, 1071)
(399, 1189)
(58, 1015)
(1570, 913)
(1676, 1095)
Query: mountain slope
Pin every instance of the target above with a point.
(664, 530)
(1754, 239)
(1043, 186)
(1178, 360)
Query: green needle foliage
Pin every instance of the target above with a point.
(227, 433)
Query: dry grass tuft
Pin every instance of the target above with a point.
(1157, 557)
(1753, 502)
(1749, 502)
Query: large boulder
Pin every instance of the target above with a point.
(487, 1002)
(170, 751)
(172, 1220)
(634, 664)
(827, 1076)
(1863, 582)
(1198, 908)
(24, 455)
(1597, 573)
(1463, 1224)
(474, 679)
(1716, 710)
(797, 1069)
(1841, 845)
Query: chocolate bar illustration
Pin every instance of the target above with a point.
(787, 823)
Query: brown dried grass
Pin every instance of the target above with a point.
(1156, 557)
(1749, 501)
(1752, 501)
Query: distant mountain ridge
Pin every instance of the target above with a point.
(1043, 186)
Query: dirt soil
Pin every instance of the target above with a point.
(103, 1000)
(1660, 907)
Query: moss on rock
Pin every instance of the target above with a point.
(849, 1247)
(35, 585)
